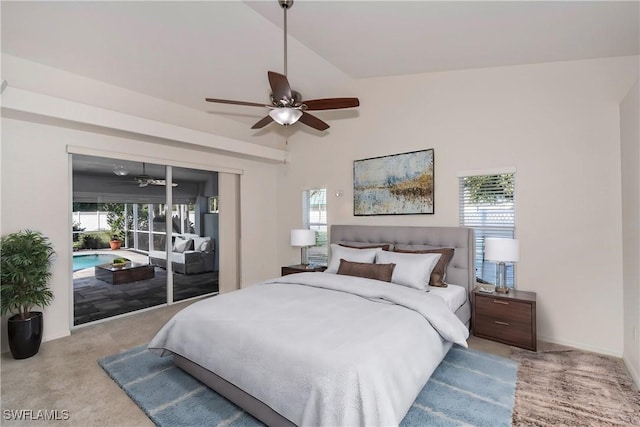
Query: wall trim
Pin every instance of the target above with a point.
(74, 149)
(581, 346)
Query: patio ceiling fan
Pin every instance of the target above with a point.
(145, 180)
(287, 106)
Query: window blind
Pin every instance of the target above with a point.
(487, 204)
(314, 217)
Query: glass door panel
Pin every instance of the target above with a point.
(111, 203)
(194, 233)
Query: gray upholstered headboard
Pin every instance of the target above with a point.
(461, 269)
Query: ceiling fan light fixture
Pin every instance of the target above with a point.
(285, 116)
(120, 170)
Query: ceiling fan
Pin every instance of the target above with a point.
(145, 180)
(287, 106)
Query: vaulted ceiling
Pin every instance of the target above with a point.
(185, 51)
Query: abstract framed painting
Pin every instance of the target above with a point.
(398, 184)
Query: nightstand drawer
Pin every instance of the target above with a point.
(504, 310)
(515, 333)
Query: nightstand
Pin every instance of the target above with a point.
(506, 318)
(301, 268)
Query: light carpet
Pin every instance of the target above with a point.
(574, 388)
(469, 387)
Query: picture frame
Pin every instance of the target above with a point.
(397, 184)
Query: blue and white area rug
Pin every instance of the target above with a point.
(468, 388)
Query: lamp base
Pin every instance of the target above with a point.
(304, 258)
(501, 278)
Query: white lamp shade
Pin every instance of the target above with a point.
(303, 237)
(285, 116)
(502, 250)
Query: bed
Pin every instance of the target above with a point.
(329, 349)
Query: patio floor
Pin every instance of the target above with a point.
(94, 299)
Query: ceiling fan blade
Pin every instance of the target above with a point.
(313, 121)
(262, 123)
(331, 103)
(280, 87)
(161, 182)
(228, 101)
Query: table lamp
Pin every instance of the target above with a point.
(303, 238)
(501, 251)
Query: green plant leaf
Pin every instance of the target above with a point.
(25, 271)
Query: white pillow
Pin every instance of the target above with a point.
(201, 243)
(181, 245)
(349, 254)
(412, 270)
(177, 240)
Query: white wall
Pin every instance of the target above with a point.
(630, 154)
(557, 123)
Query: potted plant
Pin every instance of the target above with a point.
(25, 270)
(115, 242)
(119, 262)
(115, 219)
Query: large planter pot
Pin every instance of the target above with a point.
(115, 244)
(25, 335)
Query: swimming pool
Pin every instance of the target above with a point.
(80, 262)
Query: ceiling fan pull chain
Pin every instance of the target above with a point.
(285, 38)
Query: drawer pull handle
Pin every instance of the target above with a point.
(501, 323)
(500, 302)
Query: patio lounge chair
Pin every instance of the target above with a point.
(191, 254)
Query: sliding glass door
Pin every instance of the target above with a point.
(166, 235)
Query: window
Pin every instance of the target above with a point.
(487, 204)
(314, 217)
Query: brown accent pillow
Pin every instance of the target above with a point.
(381, 272)
(384, 246)
(440, 270)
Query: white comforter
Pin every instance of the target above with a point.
(338, 350)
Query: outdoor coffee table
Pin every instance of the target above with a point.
(127, 273)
